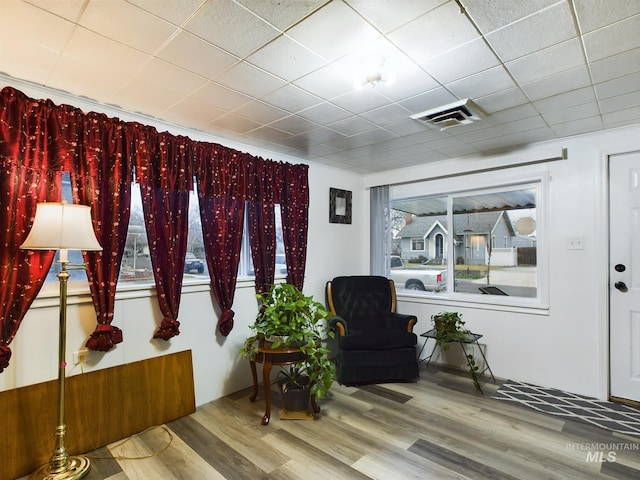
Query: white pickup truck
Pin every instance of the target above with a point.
(424, 278)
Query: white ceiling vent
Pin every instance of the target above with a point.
(462, 112)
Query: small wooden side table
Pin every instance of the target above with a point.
(268, 357)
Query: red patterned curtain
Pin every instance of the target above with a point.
(101, 178)
(295, 221)
(165, 180)
(30, 172)
(262, 237)
(221, 196)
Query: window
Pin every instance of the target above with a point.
(417, 244)
(135, 268)
(460, 232)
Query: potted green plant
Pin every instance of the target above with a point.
(451, 328)
(288, 318)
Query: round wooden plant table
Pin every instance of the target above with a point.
(268, 357)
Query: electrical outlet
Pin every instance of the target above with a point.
(575, 243)
(80, 356)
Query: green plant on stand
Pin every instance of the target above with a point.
(288, 318)
(450, 328)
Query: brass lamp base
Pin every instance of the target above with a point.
(76, 467)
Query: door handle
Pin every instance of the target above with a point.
(621, 286)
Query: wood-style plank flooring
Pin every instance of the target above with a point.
(437, 428)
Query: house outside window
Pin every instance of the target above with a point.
(460, 232)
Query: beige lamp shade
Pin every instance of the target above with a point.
(62, 226)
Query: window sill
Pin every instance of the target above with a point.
(477, 302)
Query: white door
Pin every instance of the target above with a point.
(624, 275)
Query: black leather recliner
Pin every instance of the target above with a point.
(375, 344)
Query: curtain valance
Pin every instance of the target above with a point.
(159, 159)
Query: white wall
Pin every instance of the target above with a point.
(566, 346)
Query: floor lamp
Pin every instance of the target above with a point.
(62, 226)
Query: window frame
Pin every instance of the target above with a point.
(477, 184)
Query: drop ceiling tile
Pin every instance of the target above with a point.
(294, 124)
(481, 84)
(286, 58)
(344, 143)
(348, 31)
(490, 16)
(189, 111)
(427, 135)
(470, 58)
(614, 39)
(387, 16)
(386, 115)
(548, 61)
(375, 136)
(291, 98)
(430, 35)
(324, 113)
(538, 31)
(121, 21)
(565, 100)
(329, 81)
(270, 134)
(171, 11)
(158, 85)
(577, 127)
(593, 15)
(321, 150)
(458, 151)
(34, 52)
(282, 14)
(235, 123)
(352, 126)
(556, 84)
(618, 86)
(250, 80)
(406, 127)
(512, 114)
(220, 97)
(620, 102)
(194, 54)
(615, 66)
(231, 27)
(495, 102)
(622, 117)
(260, 112)
(362, 100)
(86, 73)
(571, 114)
(320, 135)
(434, 98)
(69, 9)
(397, 143)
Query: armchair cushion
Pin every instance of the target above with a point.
(378, 339)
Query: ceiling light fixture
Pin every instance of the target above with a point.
(373, 73)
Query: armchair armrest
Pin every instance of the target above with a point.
(401, 321)
(338, 324)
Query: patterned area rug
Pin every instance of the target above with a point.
(611, 416)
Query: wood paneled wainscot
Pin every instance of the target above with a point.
(101, 407)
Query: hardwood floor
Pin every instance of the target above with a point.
(437, 428)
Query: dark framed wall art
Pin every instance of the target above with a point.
(339, 206)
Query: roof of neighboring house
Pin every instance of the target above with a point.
(482, 223)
